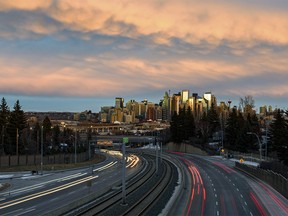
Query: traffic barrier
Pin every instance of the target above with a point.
(275, 180)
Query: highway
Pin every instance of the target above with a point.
(216, 188)
(41, 194)
(212, 186)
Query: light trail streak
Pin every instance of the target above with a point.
(257, 204)
(36, 186)
(226, 168)
(106, 166)
(197, 184)
(280, 204)
(133, 161)
(44, 193)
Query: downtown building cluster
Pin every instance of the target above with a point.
(134, 112)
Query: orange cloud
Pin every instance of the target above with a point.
(24, 5)
(143, 45)
(191, 21)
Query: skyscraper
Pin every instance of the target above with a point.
(119, 102)
(166, 107)
(184, 96)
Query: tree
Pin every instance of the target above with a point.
(17, 122)
(246, 104)
(204, 128)
(47, 128)
(182, 125)
(4, 113)
(278, 136)
(56, 135)
(36, 136)
(175, 127)
(189, 123)
(231, 129)
(4, 118)
(244, 142)
(213, 120)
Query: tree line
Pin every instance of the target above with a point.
(18, 137)
(239, 131)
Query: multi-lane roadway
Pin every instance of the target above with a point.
(209, 186)
(41, 194)
(215, 187)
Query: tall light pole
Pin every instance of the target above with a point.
(17, 145)
(260, 144)
(124, 141)
(75, 150)
(266, 140)
(17, 150)
(2, 141)
(41, 150)
(222, 130)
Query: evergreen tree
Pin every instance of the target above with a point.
(47, 128)
(253, 126)
(4, 113)
(182, 125)
(174, 128)
(56, 135)
(4, 118)
(231, 130)
(204, 128)
(17, 122)
(182, 131)
(189, 123)
(278, 137)
(245, 143)
(36, 137)
(213, 120)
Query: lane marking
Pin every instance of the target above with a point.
(26, 211)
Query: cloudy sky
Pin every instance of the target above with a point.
(63, 55)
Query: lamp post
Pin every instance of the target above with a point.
(266, 140)
(41, 150)
(260, 144)
(17, 145)
(222, 131)
(75, 149)
(17, 138)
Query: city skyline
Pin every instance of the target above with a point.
(61, 55)
(73, 105)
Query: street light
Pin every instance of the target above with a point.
(41, 150)
(260, 144)
(75, 149)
